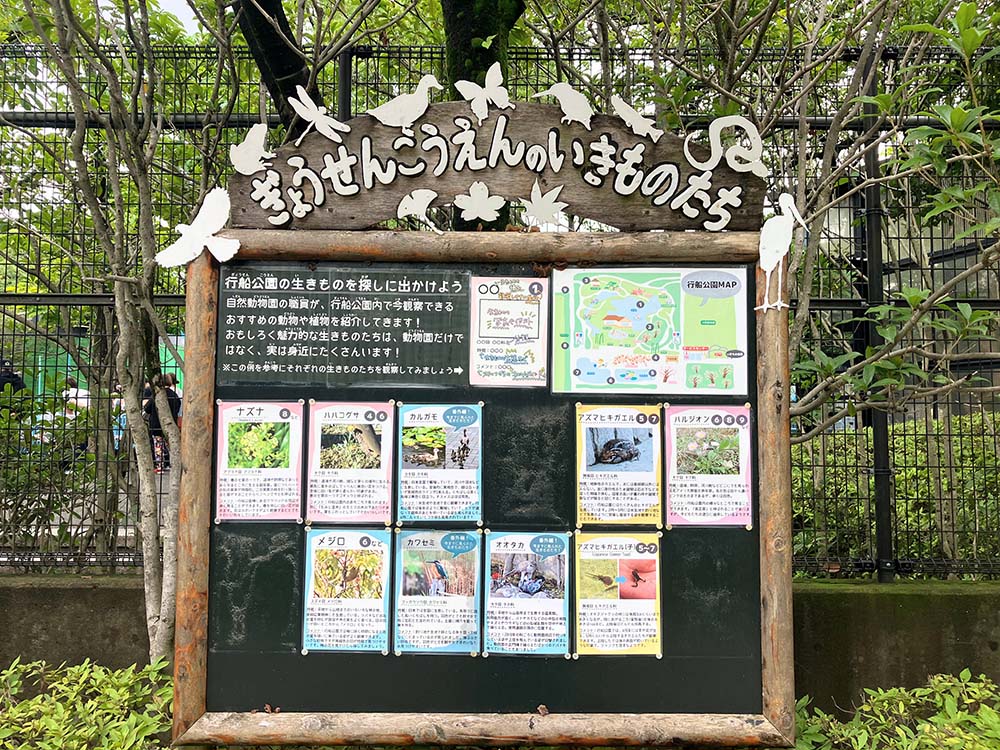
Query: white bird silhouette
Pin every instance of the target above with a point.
(248, 157)
(316, 117)
(406, 109)
(212, 216)
(775, 238)
(544, 208)
(641, 126)
(575, 106)
(480, 97)
(415, 204)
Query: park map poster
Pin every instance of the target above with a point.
(649, 330)
(347, 587)
(350, 462)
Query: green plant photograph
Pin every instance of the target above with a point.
(597, 579)
(714, 450)
(347, 574)
(350, 446)
(259, 445)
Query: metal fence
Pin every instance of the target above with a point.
(916, 491)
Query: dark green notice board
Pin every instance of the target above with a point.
(710, 584)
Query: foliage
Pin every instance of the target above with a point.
(347, 574)
(84, 706)
(711, 451)
(343, 448)
(426, 437)
(259, 445)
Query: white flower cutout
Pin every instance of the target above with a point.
(479, 204)
(544, 209)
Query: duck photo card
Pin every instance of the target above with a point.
(527, 602)
(618, 465)
(440, 462)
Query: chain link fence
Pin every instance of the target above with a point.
(914, 492)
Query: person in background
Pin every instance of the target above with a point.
(76, 398)
(9, 377)
(161, 450)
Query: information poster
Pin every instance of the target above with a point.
(618, 594)
(259, 460)
(618, 465)
(708, 466)
(350, 462)
(509, 331)
(440, 462)
(527, 609)
(347, 584)
(437, 591)
(649, 330)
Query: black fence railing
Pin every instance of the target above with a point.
(915, 491)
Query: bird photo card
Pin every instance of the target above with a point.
(509, 321)
(350, 462)
(618, 465)
(708, 466)
(618, 594)
(437, 592)
(527, 602)
(347, 590)
(259, 461)
(440, 463)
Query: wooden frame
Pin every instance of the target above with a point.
(775, 726)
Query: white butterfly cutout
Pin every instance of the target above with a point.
(211, 218)
(481, 97)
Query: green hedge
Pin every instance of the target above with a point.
(89, 707)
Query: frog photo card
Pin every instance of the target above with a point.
(618, 465)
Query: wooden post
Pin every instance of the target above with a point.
(194, 502)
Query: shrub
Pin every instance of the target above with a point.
(84, 706)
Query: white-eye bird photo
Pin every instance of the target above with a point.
(248, 157)
(640, 125)
(316, 117)
(406, 109)
(200, 233)
(575, 106)
(480, 97)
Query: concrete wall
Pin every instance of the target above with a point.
(848, 635)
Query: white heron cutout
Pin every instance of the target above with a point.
(775, 239)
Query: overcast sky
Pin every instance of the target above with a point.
(180, 9)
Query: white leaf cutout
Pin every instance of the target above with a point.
(479, 204)
(544, 208)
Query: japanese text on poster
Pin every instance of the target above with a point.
(350, 462)
(527, 606)
(259, 464)
(618, 594)
(653, 330)
(708, 465)
(509, 345)
(347, 582)
(329, 325)
(440, 462)
(618, 464)
(437, 591)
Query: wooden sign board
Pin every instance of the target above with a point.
(724, 676)
(606, 172)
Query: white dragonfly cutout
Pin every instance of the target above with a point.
(480, 97)
(200, 233)
(316, 117)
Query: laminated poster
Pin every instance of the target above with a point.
(437, 591)
(259, 460)
(440, 462)
(527, 610)
(618, 594)
(708, 466)
(618, 465)
(649, 330)
(347, 586)
(509, 342)
(350, 462)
